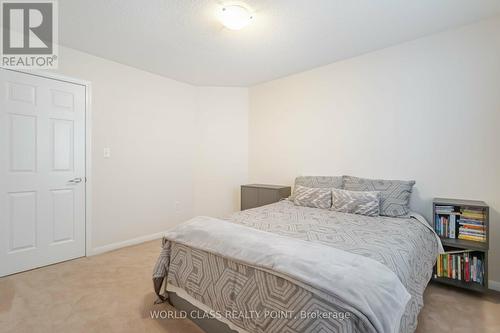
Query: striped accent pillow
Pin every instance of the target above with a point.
(356, 202)
(312, 197)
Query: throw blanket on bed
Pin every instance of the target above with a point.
(363, 283)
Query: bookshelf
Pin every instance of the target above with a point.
(463, 226)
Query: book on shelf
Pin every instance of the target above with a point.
(473, 238)
(470, 222)
(460, 265)
(471, 232)
(452, 227)
(473, 214)
(446, 210)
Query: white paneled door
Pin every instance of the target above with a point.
(42, 171)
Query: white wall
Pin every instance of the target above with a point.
(427, 110)
(222, 159)
(148, 121)
(176, 150)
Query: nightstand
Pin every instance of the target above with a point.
(256, 195)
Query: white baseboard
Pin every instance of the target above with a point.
(494, 285)
(119, 245)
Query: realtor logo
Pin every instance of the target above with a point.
(29, 34)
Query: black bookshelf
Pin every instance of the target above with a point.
(455, 244)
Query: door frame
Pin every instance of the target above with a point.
(88, 143)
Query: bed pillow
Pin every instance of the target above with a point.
(317, 182)
(356, 202)
(394, 194)
(312, 197)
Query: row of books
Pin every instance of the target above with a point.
(460, 265)
(471, 225)
(446, 226)
(468, 224)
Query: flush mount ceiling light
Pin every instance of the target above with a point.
(234, 17)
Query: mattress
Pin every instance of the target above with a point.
(240, 294)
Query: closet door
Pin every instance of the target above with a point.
(42, 171)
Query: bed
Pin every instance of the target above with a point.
(283, 291)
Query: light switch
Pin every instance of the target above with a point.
(107, 152)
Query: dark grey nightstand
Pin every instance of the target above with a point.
(255, 195)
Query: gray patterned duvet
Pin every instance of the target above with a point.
(404, 245)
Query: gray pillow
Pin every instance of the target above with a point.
(317, 182)
(394, 194)
(313, 197)
(356, 202)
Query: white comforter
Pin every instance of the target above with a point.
(363, 283)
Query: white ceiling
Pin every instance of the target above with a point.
(182, 40)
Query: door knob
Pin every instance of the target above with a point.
(75, 180)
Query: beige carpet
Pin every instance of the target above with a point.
(113, 293)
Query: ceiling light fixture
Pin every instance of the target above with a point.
(234, 17)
